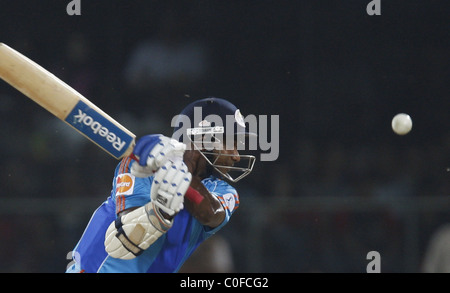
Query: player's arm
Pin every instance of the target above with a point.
(209, 211)
(135, 229)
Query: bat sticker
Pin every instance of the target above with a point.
(99, 129)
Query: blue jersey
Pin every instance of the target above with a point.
(169, 252)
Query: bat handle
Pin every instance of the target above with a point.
(133, 156)
(192, 194)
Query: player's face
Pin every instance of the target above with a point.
(225, 161)
(226, 157)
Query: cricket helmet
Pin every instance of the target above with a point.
(211, 125)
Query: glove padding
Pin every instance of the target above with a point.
(169, 186)
(153, 151)
(134, 232)
(129, 235)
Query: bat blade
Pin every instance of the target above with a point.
(68, 105)
(64, 102)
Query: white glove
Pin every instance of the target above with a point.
(169, 186)
(129, 235)
(164, 149)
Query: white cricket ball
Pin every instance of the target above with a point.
(401, 123)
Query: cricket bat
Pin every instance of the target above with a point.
(66, 103)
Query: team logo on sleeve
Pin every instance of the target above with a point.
(124, 184)
(229, 201)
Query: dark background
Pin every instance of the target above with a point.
(335, 76)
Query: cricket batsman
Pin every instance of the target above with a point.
(147, 225)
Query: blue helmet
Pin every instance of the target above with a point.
(214, 107)
(211, 124)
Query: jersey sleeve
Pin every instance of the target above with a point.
(227, 196)
(129, 191)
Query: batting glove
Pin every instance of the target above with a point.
(153, 151)
(169, 186)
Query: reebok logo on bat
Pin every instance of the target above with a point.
(98, 129)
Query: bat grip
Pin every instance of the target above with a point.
(133, 156)
(192, 194)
